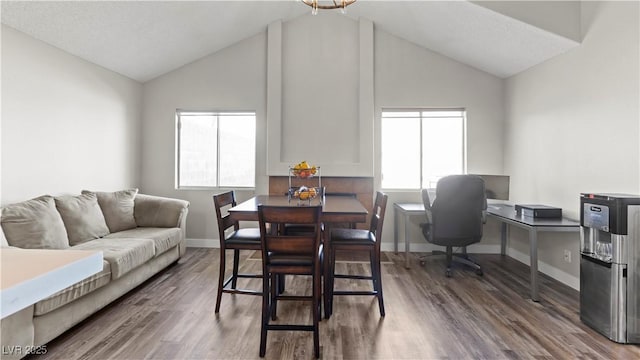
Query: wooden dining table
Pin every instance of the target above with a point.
(335, 209)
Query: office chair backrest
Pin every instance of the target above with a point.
(457, 210)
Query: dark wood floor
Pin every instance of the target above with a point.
(429, 316)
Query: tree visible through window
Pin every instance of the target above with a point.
(421, 146)
(216, 149)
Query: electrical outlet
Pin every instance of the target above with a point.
(567, 256)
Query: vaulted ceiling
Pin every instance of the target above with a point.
(145, 39)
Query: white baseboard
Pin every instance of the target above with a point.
(549, 270)
(427, 247)
(543, 267)
(203, 243)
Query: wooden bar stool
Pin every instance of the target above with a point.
(295, 254)
(357, 240)
(239, 239)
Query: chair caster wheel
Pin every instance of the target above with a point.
(447, 273)
(479, 272)
(422, 262)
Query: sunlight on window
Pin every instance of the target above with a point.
(237, 151)
(198, 150)
(400, 153)
(216, 149)
(441, 148)
(420, 147)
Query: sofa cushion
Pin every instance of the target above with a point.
(74, 291)
(157, 211)
(122, 254)
(117, 208)
(163, 238)
(82, 217)
(34, 224)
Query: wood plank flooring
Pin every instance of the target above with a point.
(428, 316)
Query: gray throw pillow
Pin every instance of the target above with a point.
(117, 208)
(82, 217)
(34, 224)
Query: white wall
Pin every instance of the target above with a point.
(236, 78)
(573, 126)
(67, 124)
(320, 94)
(231, 79)
(408, 76)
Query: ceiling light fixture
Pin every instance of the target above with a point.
(333, 4)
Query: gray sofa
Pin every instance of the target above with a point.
(139, 235)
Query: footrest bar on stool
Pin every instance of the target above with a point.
(355, 293)
(285, 327)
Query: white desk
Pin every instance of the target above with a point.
(29, 276)
(503, 213)
(507, 216)
(404, 211)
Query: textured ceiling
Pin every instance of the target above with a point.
(145, 39)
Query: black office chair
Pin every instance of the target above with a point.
(456, 217)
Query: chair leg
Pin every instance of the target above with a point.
(236, 261)
(316, 294)
(449, 261)
(281, 283)
(220, 279)
(329, 282)
(275, 288)
(376, 274)
(265, 313)
(466, 260)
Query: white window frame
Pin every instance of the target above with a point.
(179, 112)
(422, 112)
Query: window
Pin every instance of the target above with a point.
(421, 146)
(216, 149)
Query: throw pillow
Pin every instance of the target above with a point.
(117, 208)
(82, 217)
(34, 224)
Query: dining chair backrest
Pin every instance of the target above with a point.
(283, 244)
(222, 203)
(377, 216)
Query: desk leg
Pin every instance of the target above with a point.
(395, 230)
(533, 251)
(503, 238)
(406, 242)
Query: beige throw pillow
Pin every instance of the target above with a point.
(82, 217)
(34, 224)
(117, 208)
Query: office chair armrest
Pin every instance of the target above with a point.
(484, 216)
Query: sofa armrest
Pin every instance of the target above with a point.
(156, 211)
(17, 334)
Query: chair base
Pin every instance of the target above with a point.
(460, 258)
(270, 298)
(223, 285)
(375, 278)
